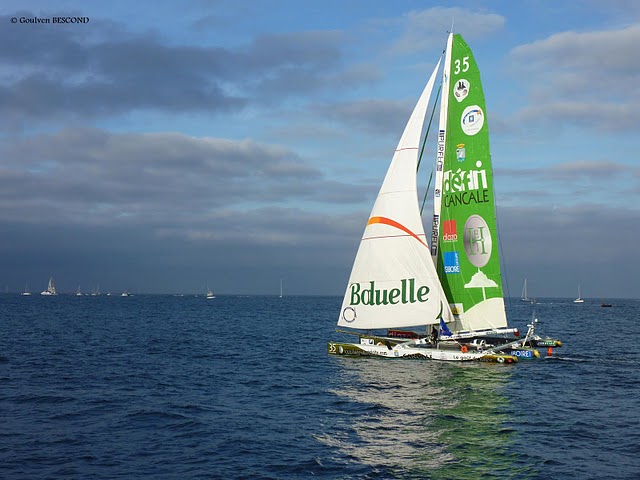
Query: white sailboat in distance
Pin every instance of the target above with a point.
(51, 288)
(579, 299)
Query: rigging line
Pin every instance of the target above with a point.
(424, 142)
(504, 261)
(426, 192)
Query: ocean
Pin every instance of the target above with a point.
(168, 387)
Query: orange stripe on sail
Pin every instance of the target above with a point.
(393, 223)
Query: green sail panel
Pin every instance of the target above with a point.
(468, 262)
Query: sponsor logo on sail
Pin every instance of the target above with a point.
(449, 231)
(463, 187)
(477, 241)
(440, 150)
(435, 227)
(451, 262)
(406, 292)
(461, 89)
(472, 120)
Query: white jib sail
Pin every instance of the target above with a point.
(393, 282)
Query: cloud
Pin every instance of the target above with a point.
(97, 177)
(557, 247)
(74, 74)
(369, 115)
(422, 29)
(581, 78)
(576, 182)
(162, 210)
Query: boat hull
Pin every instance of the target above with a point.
(422, 352)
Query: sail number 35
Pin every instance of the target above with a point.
(460, 66)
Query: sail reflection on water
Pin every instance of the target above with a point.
(425, 419)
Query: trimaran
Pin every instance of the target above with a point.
(452, 285)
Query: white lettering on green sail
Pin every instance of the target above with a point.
(406, 292)
(465, 186)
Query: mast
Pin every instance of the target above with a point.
(440, 152)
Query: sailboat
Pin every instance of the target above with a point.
(210, 294)
(79, 292)
(280, 288)
(525, 295)
(26, 291)
(452, 286)
(579, 299)
(51, 288)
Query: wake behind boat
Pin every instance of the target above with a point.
(452, 288)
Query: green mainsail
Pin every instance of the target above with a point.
(464, 237)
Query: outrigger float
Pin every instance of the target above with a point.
(453, 284)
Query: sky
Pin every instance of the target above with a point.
(163, 147)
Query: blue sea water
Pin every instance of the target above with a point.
(164, 387)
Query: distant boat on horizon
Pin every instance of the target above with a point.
(210, 294)
(579, 299)
(51, 288)
(26, 290)
(525, 295)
